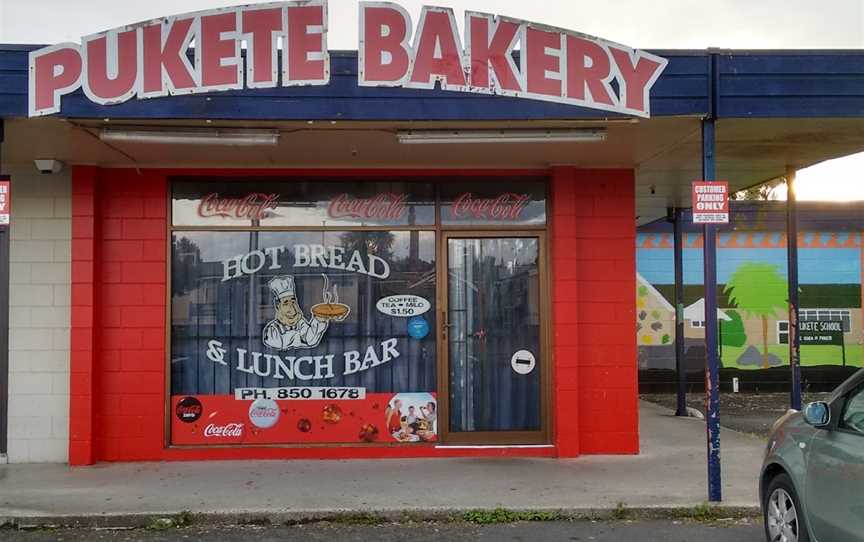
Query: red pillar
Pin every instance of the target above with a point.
(82, 392)
(594, 290)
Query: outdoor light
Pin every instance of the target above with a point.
(49, 165)
(243, 138)
(431, 137)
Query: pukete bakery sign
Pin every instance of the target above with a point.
(285, 44)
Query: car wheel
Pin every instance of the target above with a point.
(784, 519)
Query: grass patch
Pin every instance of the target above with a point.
(706, 512)
(177, 521)
(811, 355)
(620, 512)
(360, 519)
(501, 515)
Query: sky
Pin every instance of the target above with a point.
(647, 24)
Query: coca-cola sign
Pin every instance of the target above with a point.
(385, 206)
(264, 413)
(231, 430)
(507, 207)
(189, 409)
(254, 206)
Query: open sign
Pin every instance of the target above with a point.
(404, 306)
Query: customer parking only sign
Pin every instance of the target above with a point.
(5, 202)
(710, 202)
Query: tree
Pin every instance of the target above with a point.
(763, 192)
(758, 290)
(732, 332)
(186, 261)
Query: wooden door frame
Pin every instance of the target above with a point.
(500, 438)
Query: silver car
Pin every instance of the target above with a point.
(812, 483)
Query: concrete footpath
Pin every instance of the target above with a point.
(670, 473)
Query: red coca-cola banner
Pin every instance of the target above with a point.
(254, 206)
(507, 206)
(386, 206)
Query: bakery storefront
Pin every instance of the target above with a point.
(316, 310)
(239, 244)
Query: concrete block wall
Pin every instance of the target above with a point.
(593, 292)
(39, 317)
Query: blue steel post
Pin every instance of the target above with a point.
(792, 267)
(712, 391)
(709, 237)
(680, 366)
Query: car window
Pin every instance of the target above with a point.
(853, 412)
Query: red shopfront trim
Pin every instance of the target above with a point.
(119, 315)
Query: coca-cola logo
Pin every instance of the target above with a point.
(264, 413)
(189, 409)
(253, 206)
(231, 430)
(386, 206)
(507, 206)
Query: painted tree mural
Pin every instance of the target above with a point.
(759, 290)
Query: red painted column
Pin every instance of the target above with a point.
(565, 298)
(82, 391)
(132, 303)
(594, 291)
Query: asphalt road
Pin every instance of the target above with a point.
(752, 413)
(624, 531)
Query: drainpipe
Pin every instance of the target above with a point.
(792, 267)
(4, 325)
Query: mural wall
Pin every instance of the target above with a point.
(752, 296)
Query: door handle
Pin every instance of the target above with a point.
(445, 325)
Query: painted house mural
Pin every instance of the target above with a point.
(752, 288)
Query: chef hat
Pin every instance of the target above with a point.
(282, 287)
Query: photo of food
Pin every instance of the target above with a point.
(412, 417)
(332, 414)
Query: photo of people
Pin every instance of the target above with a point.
(412, 417)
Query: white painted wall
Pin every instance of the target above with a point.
(39, 317)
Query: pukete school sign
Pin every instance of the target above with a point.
(153, 58)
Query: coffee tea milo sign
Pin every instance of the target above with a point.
(285, 44)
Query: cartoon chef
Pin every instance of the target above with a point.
(290, 329)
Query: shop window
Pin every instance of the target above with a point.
(330, 312)
(783, 332)
(484, 203)
(305, 311)
(303, 203)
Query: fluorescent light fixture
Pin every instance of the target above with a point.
(241, 138)
(431, 137)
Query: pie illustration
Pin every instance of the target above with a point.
(332, 414)
(330, 311)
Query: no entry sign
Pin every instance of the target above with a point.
(710, 202)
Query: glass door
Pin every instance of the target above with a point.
(493, 339)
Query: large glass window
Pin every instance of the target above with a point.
(261, 292)
(306, 310)
(482, 203)
(315, 203)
